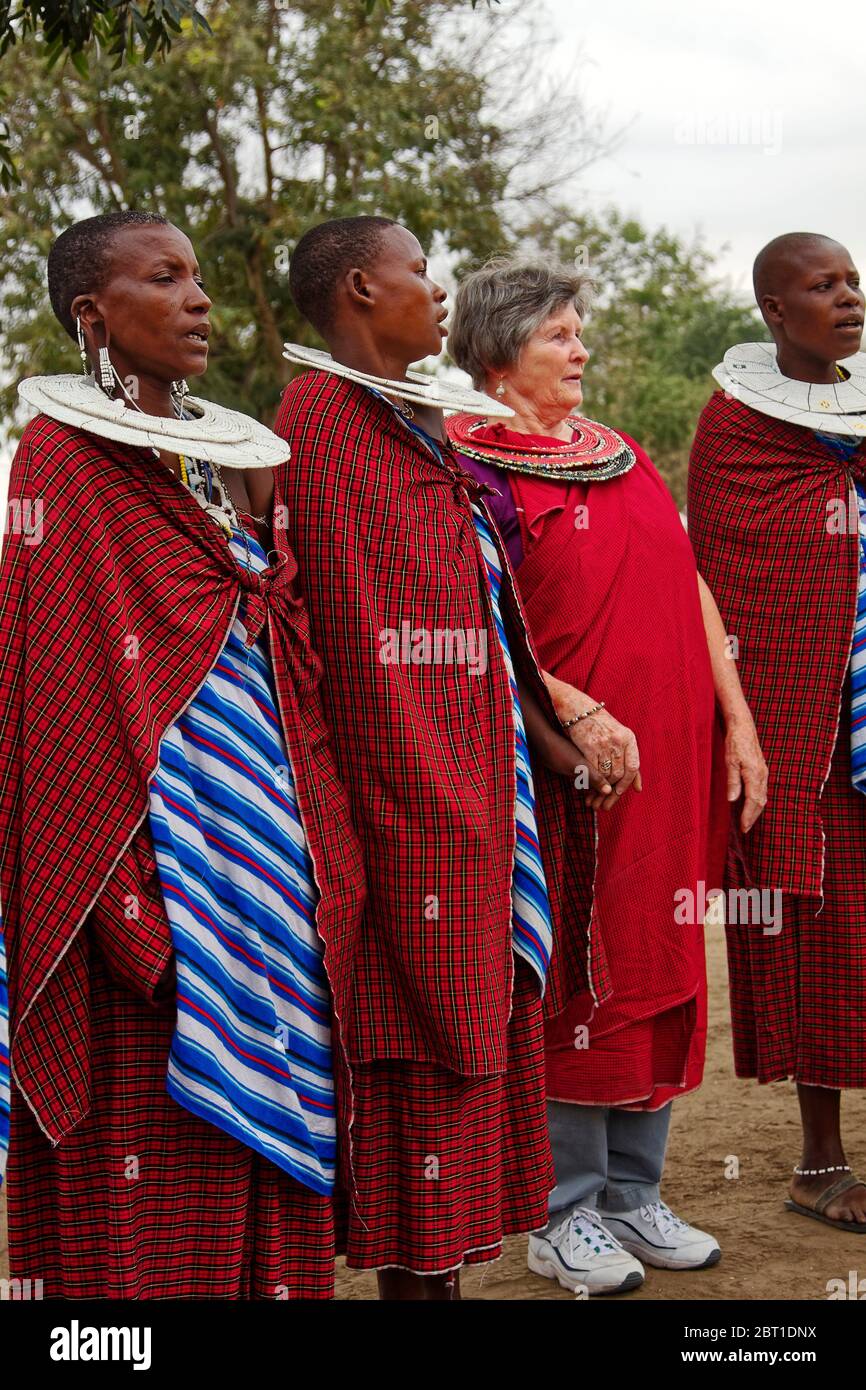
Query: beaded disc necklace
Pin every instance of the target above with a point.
(594, 454)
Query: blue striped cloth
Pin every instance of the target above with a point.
(4, 1059)
(844, 449)
(531, 924)
(251, 1051)
(532, 928)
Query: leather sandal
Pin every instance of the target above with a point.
(817, 1212)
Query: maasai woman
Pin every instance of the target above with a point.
(618, 612)
(428, 677)
(777, 495)
(177, 867)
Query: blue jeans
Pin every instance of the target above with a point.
(605, 1157)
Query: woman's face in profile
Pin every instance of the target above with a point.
(549, 370)
(153, 306)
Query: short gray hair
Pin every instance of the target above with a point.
(500, 306)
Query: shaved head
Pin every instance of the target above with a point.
(808, 291)
(80, 260)
(783, 256)
(324, 255)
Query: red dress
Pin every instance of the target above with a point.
(609, 586)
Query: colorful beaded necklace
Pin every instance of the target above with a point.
(594, 454)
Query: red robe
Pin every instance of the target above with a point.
(609, 586)
(773, 519)
(384, 536)
(444, 1037)
(762, 497)
(108, 627)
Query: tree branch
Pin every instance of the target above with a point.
(268, 326)
(228, 174)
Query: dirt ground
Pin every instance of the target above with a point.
(727, 1126)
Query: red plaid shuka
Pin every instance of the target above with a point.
(798, 997)
(765, 499)
(108, 627)
(447, 1165)
(143, 1199)
(761, 502)
(384, 536)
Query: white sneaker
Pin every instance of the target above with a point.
(581, 1254)
(661, 1238)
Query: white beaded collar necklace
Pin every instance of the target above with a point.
(750, 373)
(417, 389)
(212, 432)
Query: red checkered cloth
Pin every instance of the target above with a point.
(108, 627)
(762, 500)
(384, 536)
(143, 1199)
(798, 998)
(445, 1166)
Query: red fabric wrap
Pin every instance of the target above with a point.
(765, 499)
(384, 535)
(798, 995)
(761, 495)
(199, 1215)
(108, 628)
(486, 1135)
(609, 587)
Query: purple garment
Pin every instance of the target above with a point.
(501, 504)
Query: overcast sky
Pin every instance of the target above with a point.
(746, 117)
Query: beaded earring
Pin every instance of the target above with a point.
(106, 371)
(500, 390)
(82, 347)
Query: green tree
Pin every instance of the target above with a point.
(68, 29)
(287, 115)
(128, 30)
(660, 322)
(122, 27)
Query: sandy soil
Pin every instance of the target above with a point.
(767, 1252)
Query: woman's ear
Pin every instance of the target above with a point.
(84, 308)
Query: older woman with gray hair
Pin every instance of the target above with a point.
(620, 618)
